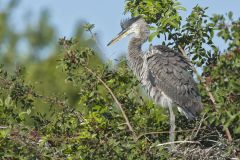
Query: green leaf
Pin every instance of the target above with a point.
(152, 36)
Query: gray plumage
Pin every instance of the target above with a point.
(163, 72)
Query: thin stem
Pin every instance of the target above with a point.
(199, 127)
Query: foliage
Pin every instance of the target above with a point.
(61, 108)
(222, 75)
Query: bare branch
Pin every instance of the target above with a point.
(199, 127)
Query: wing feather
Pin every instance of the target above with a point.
(172, 76)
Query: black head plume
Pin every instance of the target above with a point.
(128, 22)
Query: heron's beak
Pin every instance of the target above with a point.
(120, 36)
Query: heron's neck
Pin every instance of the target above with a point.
(135, 45)
(135, 59)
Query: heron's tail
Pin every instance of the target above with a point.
(191, 111)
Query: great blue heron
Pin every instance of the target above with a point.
(163, 72)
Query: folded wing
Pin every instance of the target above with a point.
(169, 73)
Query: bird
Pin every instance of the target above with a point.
(163, 72)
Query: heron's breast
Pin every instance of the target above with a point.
(158, 96)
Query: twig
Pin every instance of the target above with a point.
(3, 127)
(177, 142)
(210, 95)
(117, 102)
(229, 136)
(199, 127)
(227, 132)
(165, 132)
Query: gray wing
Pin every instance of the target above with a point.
(169, 74)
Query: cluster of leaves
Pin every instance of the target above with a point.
(164, 14)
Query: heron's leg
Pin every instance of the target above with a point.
(172, 126)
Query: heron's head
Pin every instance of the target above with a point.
(135, 25)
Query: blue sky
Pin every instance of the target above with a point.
(105, 14)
